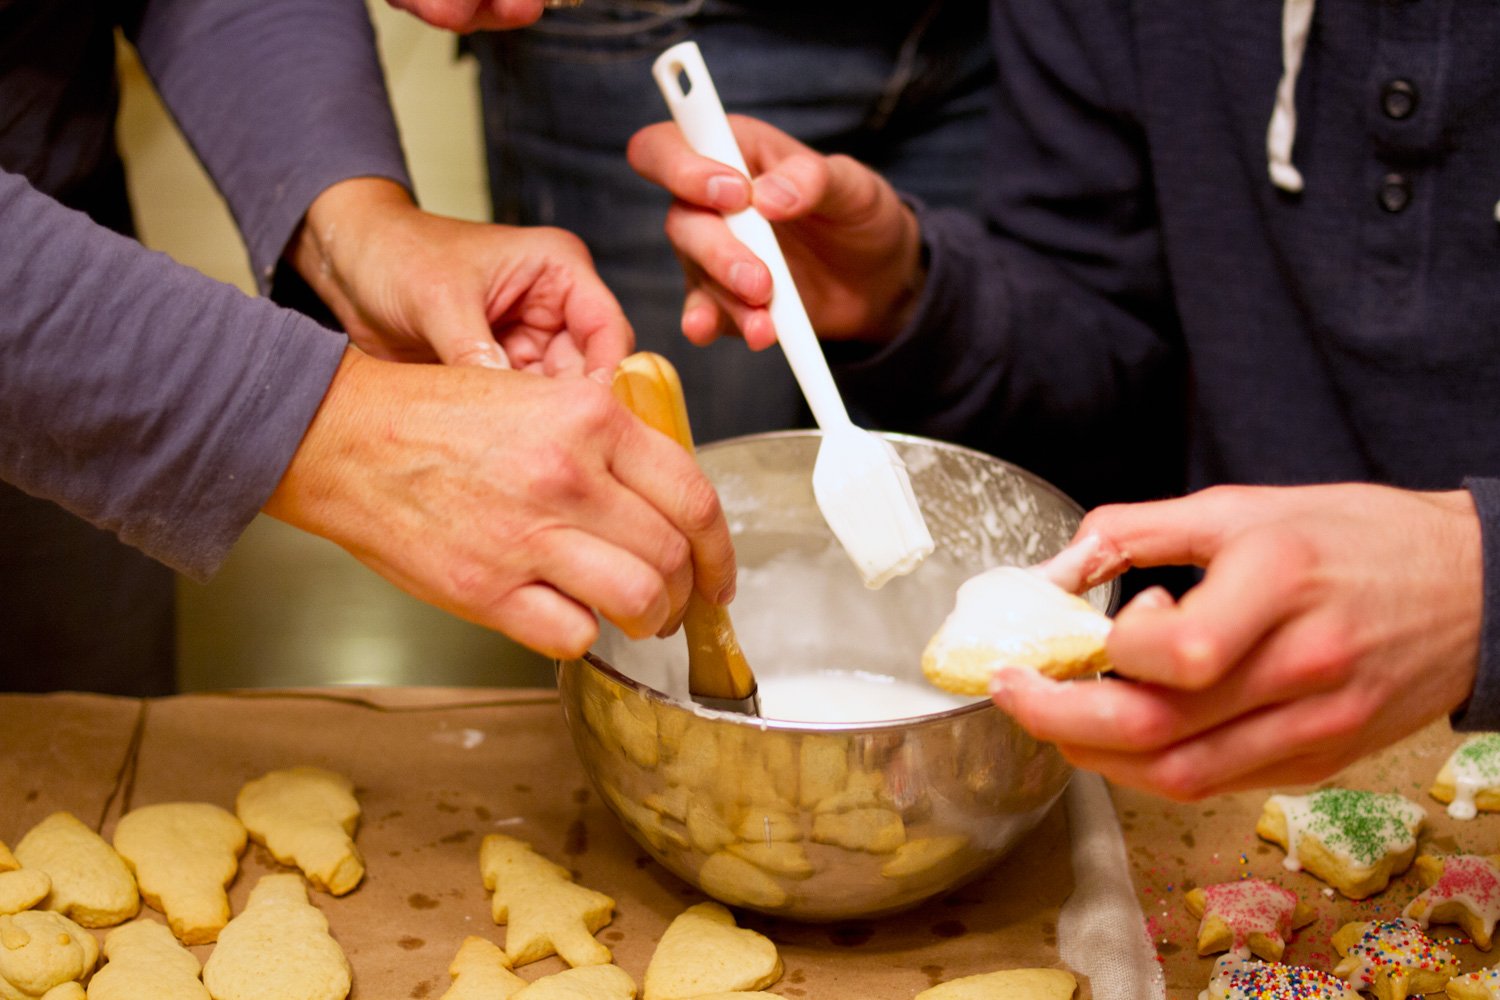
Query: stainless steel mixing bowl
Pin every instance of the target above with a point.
(826, 821)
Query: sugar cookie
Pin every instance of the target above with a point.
(1392, 959)
(22, 889)
(589, 982)
(1235, 977)
(878, 831)
(1462, 889)
(1355, 841)
(40, 952)
(1469, 780)
(1250, 913)
(1012, 984)
(306, 817)
(544, 911)
(145, 962)
(740, 882)
(90, 882)
(184, 854)
(1481, 985)
(1011, 617)
(481, 971)
(703, 952)
(278, 948)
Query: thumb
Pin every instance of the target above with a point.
(460, 335)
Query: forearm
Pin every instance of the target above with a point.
(280, 99)
(144, 397)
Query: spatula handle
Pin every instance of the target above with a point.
(683, 79)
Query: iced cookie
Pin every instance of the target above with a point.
(1012, 984)
(1462, 889)
(1010, 617)
(306, 816)
(1469, 780)
(1235, 977)
(481, 971)
(278, 948)
(90, 882)
(184, 854)
(145, 962)
(703, 952)
(41, 952)
(544, 911)
(1481, 985)
(589, 982)
(1392, 959)
(1248, 914)
(1355, 841)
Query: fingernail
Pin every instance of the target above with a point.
(602, 375)
(727, 194)
(1003, 684)
(775, 192)
(1152, 599)
(742, 279)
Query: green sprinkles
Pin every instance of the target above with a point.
(1479, 757)
(1363, 825)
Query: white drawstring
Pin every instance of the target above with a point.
(1296, 21)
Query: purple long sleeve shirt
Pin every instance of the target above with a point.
(139, 394)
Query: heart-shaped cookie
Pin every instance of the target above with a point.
(704, 952)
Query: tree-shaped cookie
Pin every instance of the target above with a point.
(1251, 914)
(1392, 959)
(544, 911)
(703, 952)
(481, 971)
(1462, 889)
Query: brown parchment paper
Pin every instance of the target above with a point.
(436, 771)
(1174, 847)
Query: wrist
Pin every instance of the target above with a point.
(340, 225)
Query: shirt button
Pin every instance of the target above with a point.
(1395, 192)
(1398, 99)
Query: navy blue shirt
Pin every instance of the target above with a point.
(1137, 276)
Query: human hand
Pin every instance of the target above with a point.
(853, 248)
(511, 500)
(1331, 621)
(412, 286)
(465, 16)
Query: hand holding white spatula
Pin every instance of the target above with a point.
(860, 483)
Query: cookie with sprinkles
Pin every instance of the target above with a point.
(1249, 913)
(1392, 959)
(1481, 985)
(1469, 780)
(1235, 977)
(1356, 841)
(1462, 889)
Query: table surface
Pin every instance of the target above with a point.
(437, 769)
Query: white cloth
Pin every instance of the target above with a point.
(1101, 931)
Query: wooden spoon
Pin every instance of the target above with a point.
(718, 674)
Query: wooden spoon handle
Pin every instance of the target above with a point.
(649, 387)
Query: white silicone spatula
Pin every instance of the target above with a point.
(860, 483)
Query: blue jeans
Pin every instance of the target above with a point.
(903, 87)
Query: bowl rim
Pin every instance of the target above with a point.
(589, 658)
